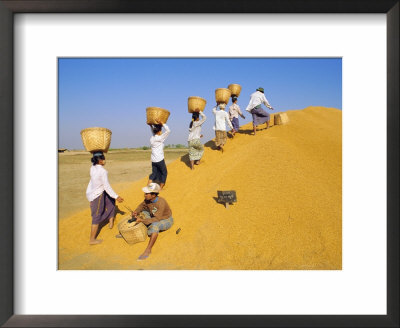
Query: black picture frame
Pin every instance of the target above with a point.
(11, 7)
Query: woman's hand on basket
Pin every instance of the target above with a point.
(120, 199)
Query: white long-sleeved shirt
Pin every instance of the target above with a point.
(157, 145)
(234, 111)
(195, 130)
(98, 183)
(257, 98)
(220, 118)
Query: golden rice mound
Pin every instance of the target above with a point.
(288, 181)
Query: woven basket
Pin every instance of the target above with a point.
(156, 114)
(235, 89)
(96, 139)
(271, 120)
(222, 95)
(281, 118)
(196, 104)
(132, 232)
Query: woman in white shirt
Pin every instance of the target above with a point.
(196, 148)
(159, 169)
(220, 128)
(101, 196)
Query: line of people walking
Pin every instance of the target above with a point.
(222, 119)
(156, 213)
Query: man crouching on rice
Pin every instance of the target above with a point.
(158, 215)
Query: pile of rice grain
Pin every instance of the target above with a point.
(288, 214)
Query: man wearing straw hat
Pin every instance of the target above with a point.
(220, 128)
(158, 215)
(260, 116)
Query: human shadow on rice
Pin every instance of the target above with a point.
(211, 144)
(185, 159)
(244, 131)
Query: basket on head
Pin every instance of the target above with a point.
(235, 89)
(96, 139)
(280, 118)
(222, 95)
(196, 104)
(155, 114)
(132, 232)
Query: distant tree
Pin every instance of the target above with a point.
(145, 148)
(180, 146)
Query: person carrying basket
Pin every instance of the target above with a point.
(101, 196)
(159, 169)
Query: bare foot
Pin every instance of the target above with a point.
(144, 256)
(95, 241)
(111, 223)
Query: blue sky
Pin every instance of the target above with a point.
(115, 92)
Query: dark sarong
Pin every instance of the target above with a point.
(102, 208)
(260, 116)
(235, 123)
(159, 172)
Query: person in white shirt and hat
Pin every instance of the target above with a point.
(260, 116)
(101, 196)
(159, 169)
(220, 128)
(157, 215)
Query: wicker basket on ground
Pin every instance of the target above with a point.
(155, 114)
(222, 95)
(235, 89)
(196, 104)
(280, 118)
(96, 139)
(271, 120)
(132, 232)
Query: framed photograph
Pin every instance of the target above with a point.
(360, 290)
